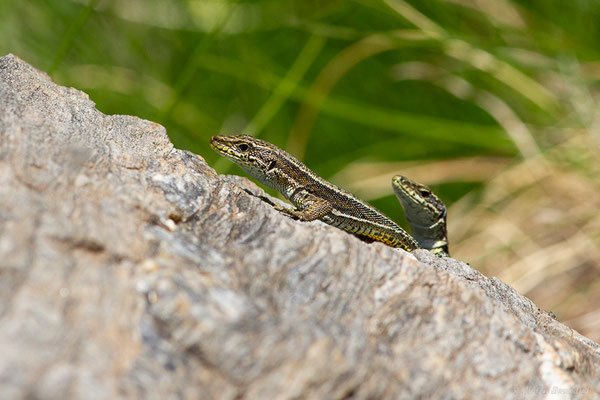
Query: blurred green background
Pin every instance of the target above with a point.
(493, 103)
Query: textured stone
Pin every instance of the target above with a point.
(130, 269)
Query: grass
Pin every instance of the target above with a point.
(493, 103)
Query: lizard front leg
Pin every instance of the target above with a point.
(308, 206)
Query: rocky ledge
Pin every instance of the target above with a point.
(130, 269)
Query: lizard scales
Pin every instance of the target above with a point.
(425, 213)
(313, 196)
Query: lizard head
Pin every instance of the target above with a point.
(421, 206)
(258, 158)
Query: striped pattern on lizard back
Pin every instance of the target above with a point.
(312, 195)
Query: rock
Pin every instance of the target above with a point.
(130, 269)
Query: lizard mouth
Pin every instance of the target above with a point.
(217, 141)
(220, 145)
(229, 148)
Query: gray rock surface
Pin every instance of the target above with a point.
(130, 269)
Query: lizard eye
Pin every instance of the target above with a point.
(425, 193)
(243, 147)
(272, 165)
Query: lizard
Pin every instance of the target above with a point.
(312, 196)
(425, 213)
